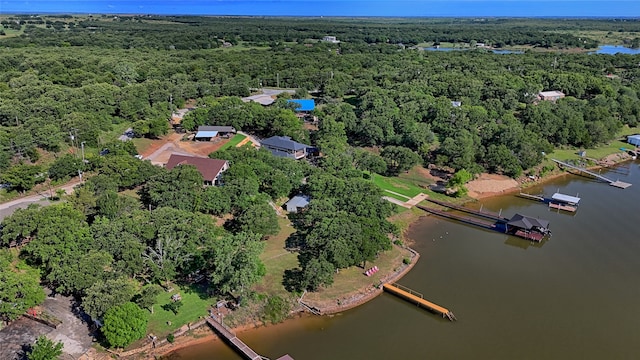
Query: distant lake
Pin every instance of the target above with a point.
(615, 49)
(495, 51)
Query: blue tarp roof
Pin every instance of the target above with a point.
(305, 104)
(206, 134)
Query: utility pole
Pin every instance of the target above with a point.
(82, 146)
(278, 80)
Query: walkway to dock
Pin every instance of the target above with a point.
(480, 213)
(237, 344)
(418, 299)
(463, 219)
(618, 183)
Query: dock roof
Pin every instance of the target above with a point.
(527, 222)
(565, 198)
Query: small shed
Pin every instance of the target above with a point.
(213, 131)
(297, 203)
(634, 140)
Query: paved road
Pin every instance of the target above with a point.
(6, 209)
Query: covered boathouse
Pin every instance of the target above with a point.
(564, 202)
(527, 227)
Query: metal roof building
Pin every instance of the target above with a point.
(634, 140)
(297, 202)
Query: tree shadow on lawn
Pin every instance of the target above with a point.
(202, 289)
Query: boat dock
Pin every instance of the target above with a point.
(557, 201)
(480, 213)
(526, 227)
(237, 344)
(616, 183)
(467, 220)
(418, 299)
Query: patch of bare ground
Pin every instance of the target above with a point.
(487, 185)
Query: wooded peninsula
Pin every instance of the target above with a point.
(85, 97)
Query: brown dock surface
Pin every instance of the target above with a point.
(417, 298)
(480, 213)
(233, 340)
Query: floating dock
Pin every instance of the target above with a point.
(616, 183)
(418, 299)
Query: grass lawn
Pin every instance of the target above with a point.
(142, 144)
(601, 151)
(396, 184)
(276, 260)
(235, 140)
(194, 305)
(353, 279)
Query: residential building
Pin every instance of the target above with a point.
(550, 95)
(634, 140)
(211, 169)
(283, 146)
(297, 203)
(331, 39)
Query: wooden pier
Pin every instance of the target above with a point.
(616, 183)
(418, 299)
(519, 225)
(467, 220)
(237, 344)
(480, 213)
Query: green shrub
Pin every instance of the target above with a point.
(171, 338)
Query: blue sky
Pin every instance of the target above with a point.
(562, 8)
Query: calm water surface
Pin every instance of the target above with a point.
(615, 49)
(574, 296)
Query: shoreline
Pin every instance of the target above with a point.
(369, 295)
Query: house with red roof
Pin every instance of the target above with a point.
(211, 169)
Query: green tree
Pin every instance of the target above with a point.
(399, 159)
(259, 218)
(458, 180)
(124, 324)
(19, 287)
(181, 188)
(45, 349)
(147, 297)
(316, 273)
(236, 263)
(103, 295)
(22, 177)
(65, 166)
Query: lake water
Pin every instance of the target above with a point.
(574, 296)
(615, 49)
